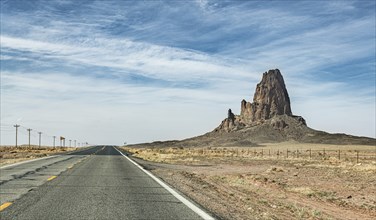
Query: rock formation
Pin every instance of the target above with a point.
(270, 99)
(267, 119)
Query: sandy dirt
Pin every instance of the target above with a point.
(11, 154)
(242, 184)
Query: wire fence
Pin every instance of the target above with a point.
(349, 155)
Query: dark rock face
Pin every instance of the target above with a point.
(270, 99)
(230, 115)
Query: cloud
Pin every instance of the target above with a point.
(141, 71)
(154, 61)
(81, 104)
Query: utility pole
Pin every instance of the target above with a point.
(16, 126)
(62, 141)
(70, 143)
(75, 143)
(54, 140)
(29, 130)
(40, 138)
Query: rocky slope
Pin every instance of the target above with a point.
(269, 118)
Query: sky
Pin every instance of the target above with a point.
(109, 72)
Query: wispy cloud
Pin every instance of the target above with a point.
(76, 102)
(143, 69)
(123, 55)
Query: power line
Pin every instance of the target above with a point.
(29, 132)
(2, 124)
(8, 130)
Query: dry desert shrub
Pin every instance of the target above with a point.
(12, 154)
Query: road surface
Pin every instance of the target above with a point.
(97, 183)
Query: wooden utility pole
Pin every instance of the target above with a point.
(54, 140)
(29, 130)
(16, 126)
(40, 138)
(62, 141)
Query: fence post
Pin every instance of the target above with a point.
(277, 153)
(262, 152)
(339, 154)
(297, 153)
(324, 153)
(287, 153)
(357, 156)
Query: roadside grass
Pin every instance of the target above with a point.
(335, 155)
(269, 184)
(12, 154)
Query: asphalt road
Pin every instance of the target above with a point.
(98, 183)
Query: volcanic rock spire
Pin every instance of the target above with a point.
(270, 99)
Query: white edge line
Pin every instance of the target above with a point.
(186, 202)
(26, 161)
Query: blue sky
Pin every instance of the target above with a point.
(106, 72)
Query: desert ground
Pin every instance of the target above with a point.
(12, 154)
(271, 181)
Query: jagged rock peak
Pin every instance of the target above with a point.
(271, 105)
(270, 99)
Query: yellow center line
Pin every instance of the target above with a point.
(51, 178)
(4, 206)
